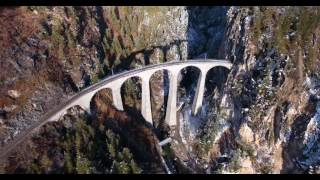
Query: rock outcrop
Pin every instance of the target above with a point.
(272, 88)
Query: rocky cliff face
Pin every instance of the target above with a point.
(271, 95)
(260, 117)
(264, 119)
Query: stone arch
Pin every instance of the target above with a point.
(131, 92)
(203, 83)
(103, 95)
(216, 75)
(188, 79)
(140, 94)
(159, 90)
(190, 72)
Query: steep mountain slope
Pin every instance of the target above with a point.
(272, 93)
(260, 117)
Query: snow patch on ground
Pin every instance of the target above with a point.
(314, 87)
(311, 140)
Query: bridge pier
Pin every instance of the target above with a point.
(145, 99)
(198, 97)
(116, 96)
(171, 112)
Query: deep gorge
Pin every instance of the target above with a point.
(260, 117)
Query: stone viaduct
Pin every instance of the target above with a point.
(115, 82)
